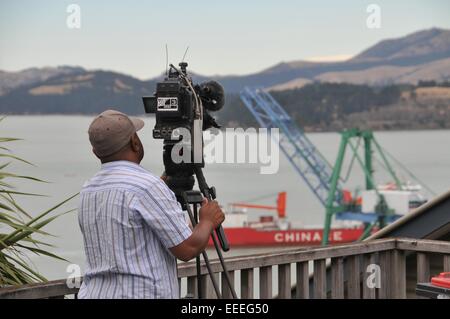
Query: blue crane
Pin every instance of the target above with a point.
(299, 150)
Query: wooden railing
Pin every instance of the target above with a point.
(320, 272)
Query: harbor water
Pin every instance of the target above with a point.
(58, 147)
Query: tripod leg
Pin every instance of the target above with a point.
(204, 188)
(199, 281)
(211, 275)
(197, 263)
(224, 267)
(219, 254)
(205, 256)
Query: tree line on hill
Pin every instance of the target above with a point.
(316, 104)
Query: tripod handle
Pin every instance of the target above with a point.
(210, 194)
(222, 238)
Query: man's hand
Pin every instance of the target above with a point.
(211, 212)
(211, 216)
(164, 177)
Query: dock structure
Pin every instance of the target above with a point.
(354, 272)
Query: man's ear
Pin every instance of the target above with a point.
(134, 142)
(93, 151)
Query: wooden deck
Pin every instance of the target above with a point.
(295, 268)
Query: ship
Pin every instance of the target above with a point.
(272, 228)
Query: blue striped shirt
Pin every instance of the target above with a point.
(129, 219)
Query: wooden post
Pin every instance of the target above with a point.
(399, 274)
(302, 286)
(247, 283)
(226, 292)
(385, 268)
(320, 279)
(354, 273)
(446, 263)
(284, 281)
(423, 267)
(337, 278)
(265, 282)
(192, 286)
(369, 292)
(204, 283)
(207, 286)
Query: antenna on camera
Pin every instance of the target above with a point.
(167, 60)
(185, 52)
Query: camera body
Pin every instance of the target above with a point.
(173, 106)
(180, 107)
(177, 102)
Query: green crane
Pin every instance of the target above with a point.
(351, 139)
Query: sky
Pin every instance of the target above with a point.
(224, 37)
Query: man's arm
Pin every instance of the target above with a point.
(211, 216)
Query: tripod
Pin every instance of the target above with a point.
(195, 198)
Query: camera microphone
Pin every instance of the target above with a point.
(212, 95)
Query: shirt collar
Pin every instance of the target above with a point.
(116, 164)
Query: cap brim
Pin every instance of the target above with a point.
(138, 123)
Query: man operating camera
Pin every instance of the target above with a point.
(132, 225)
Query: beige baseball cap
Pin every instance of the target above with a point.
(111, 130)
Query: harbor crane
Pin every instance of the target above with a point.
(323, 179)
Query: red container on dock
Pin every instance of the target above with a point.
(442, 280)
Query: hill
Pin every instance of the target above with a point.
(333, 91)
(337, 106)
(84, 92)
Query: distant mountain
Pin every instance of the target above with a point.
(11, 80)
(416, 48)
(424, 55)
(392, 74)
(84, 92)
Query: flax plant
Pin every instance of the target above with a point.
(18, 228)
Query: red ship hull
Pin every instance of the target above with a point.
(245, 236)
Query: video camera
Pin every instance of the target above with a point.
(181, 110)
(180, 107)
(178, 103)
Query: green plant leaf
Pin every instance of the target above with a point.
(16, 158)
(6, 267)
(20, 193)
(5, 185)
(11, 201)
(37, 242)
(9, 139)
(29, 269)
(41, 252)
(18, 235)
(3, 166)
(15, 265)
(21, 176)
(5, 207)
